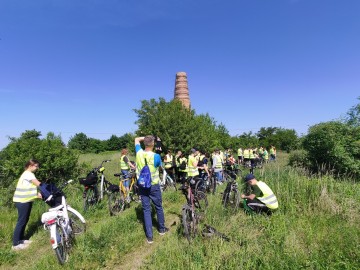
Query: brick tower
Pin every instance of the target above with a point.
(181, 89)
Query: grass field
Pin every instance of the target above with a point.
(316, 227)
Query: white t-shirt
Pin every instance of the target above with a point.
(27, 177)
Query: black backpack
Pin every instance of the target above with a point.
(182, 165)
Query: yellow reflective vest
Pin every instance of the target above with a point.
(192, 170)
(25, 191)
(123, 164)
(140, 163)
(268, 198)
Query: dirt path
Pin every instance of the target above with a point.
(136, 259)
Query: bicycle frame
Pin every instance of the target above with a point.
(58, 217)
(123, 189)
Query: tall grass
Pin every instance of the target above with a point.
(316, 227)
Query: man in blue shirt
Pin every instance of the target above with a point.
(152, 194)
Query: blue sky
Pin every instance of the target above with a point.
(71, 66)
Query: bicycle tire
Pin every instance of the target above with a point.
(61, 250)
(169, 184)
(212, 186)
(200, 186)
(231, 199)
(237, 198)
(200, 201)
(189, 224)
(90, 198)
(77, 226)
(116, 203)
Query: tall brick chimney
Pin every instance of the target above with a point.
(181, 89)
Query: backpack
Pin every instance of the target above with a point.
(182, 165)
(144, 179)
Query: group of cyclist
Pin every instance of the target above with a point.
(181, 167)
(197, 164)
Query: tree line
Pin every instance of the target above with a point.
(332, 146)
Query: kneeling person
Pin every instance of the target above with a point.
(261, 199)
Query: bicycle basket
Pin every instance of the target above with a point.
(90, 179)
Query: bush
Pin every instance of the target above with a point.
(299, 159)
(333, 147)
(57, 162)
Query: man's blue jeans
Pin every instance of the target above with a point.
(24, 210)
(219, 176)
(147, 195)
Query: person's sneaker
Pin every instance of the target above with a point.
(165, 230)
(149, 240)
(19, 247)
(26, 242)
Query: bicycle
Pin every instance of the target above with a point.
(61, 220)
(167, 182)
(120, 199)
(231, 196)
(193, 210)
(91, 195)
(207, 184)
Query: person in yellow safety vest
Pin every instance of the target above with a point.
(266, 155)
(169, 164)
(25, 194)
(182, 168)
(261, 198)
(192, 163)
(218, 166)
(125, 165)
(192, 170)
(177, 164)
(272, 153)
(240, 155)
(252, 159)
(246, 155)
(152, 194)
(261, 151)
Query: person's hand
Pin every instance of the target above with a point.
(242, 196)
(39, 195)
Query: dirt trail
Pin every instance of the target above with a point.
(135, 260)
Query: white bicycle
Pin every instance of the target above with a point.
(61, 220)
(166, 182)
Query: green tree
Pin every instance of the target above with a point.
(79, 142)
(178, 127)
(333, 146)
(57, 161)
(353, 116)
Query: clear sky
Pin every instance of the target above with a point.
(71, 66)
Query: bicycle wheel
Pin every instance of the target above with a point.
(200, 186)
(200, 201)
(169, 184)
(212, 185)
(189, 224)
(61, 249)
(116, 203)
(232, 199)
(76, 224)
(90, 198)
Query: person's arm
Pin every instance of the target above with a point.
(36, 182)
(138, 140)
(251, 196)
(137, 143)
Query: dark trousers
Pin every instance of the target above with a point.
(183, 177)
(152, 194)
(24, 210)
(258, 207)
